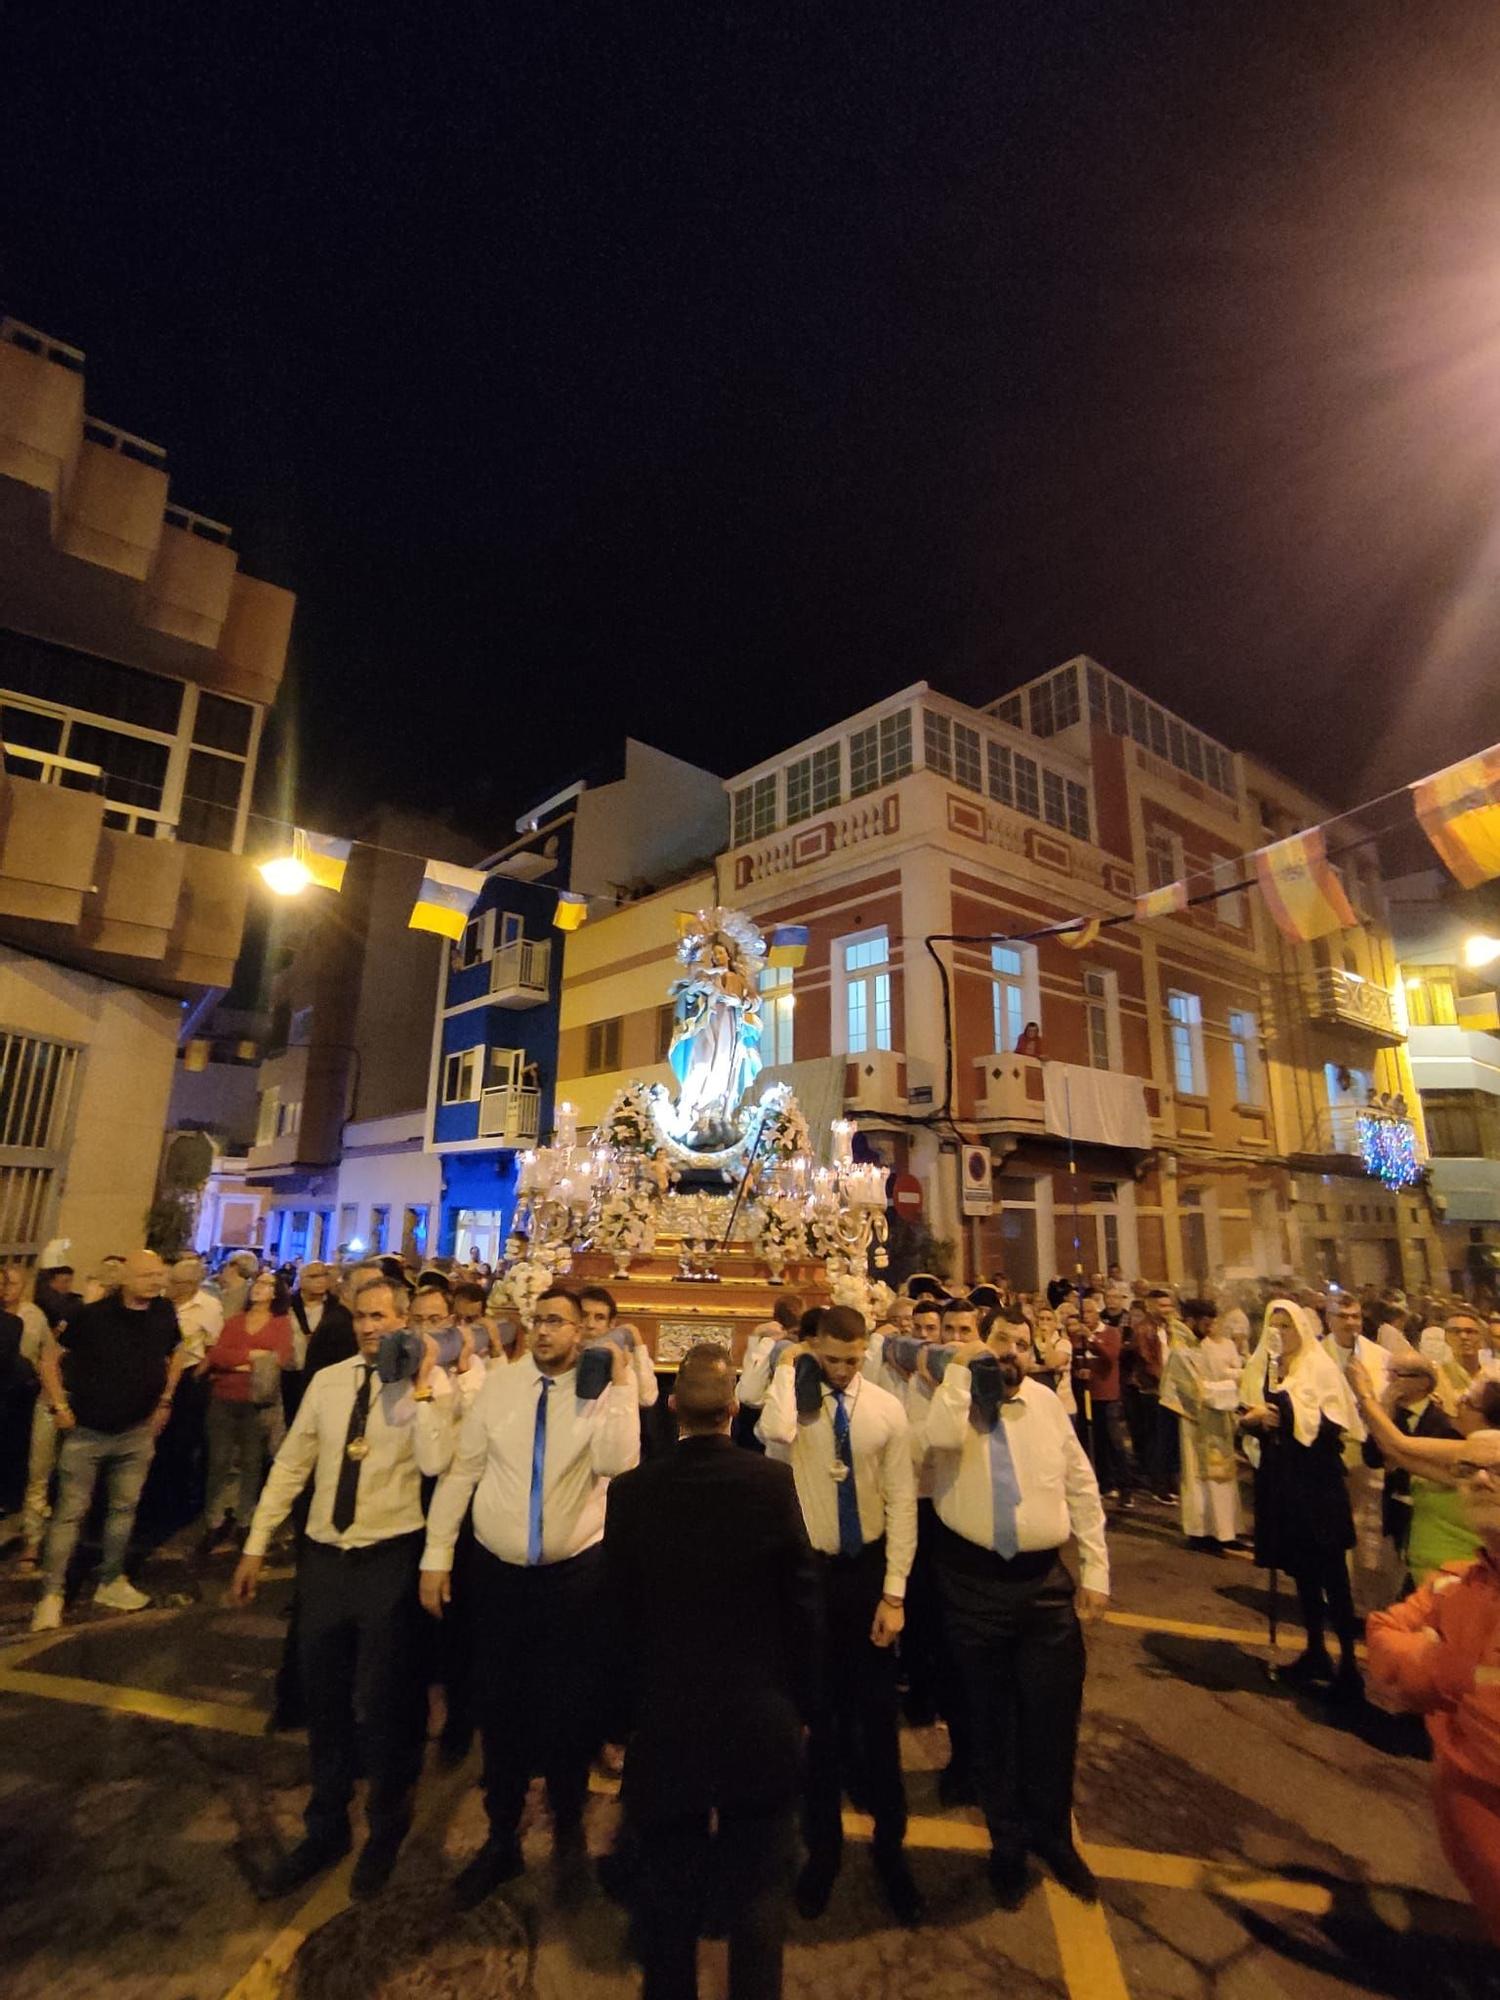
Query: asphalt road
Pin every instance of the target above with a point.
(1249, 1842)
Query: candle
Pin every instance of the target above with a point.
(843, 1141)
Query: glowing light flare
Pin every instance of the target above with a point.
(285, 874)
(1481, 950)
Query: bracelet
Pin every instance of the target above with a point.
(896, 1603)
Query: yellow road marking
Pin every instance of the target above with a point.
(1210, 1878)
(1289, 1639)
(134, 1701)
(1090, 1963)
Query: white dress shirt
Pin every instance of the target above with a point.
(312, 1310)
(646, 1384)
(200, 1321)
(755, 1366)
(884, 1476)
(884, 1374)
(587, 1444)
(1059, 1493)
(406, 1440)
(33, 1333)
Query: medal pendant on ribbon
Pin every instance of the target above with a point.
(839, 1470)
(357, 1448)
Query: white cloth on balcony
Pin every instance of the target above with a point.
(1098, 1107)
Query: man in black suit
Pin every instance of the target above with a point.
(323, 1333)
(716, 1681)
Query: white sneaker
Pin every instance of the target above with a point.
(48, 1614)
(121, 1595)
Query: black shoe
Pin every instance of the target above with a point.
(919, 1711)
(491, 1866)
(308, 1858)
(453, 1746)
(1071, 1870)
(377, 1858)
(1010, 1879)
(572, 1875)
(814, 1888)
(617, 1875)
(903, 1897)
(1309, 1668)
(1346, 1687)
(955, 1787)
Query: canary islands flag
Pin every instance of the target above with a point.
(571, 910)
(1165, 902)
(324, 858)
(1480, 1011)
(1302, 887)
(1082, 938)
(788, 945)
(445, 899)
(1459, 809)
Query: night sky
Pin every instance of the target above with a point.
(707, 372)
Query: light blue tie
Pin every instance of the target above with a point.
(851, 1535)
(538, 1479)
(1005, 1489)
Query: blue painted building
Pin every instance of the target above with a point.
(494, 1053)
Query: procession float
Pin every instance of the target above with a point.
(695, 1204)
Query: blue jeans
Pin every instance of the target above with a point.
(124, 1457)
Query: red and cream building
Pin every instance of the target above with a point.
(1192, 1114)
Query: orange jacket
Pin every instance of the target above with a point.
(1438, 1652)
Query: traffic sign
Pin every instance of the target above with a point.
(978, 1181)
(906, 1197)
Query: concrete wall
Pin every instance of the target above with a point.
(383, 1164)
(663, 816)
(129, 1043)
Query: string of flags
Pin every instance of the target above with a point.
(1458, 808)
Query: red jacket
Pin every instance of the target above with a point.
(1439, 1652)
(233, 1348)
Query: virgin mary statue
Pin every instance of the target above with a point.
(715, 1051)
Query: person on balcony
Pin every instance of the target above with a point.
(1030, 1043)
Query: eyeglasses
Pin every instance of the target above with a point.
(556, 1319)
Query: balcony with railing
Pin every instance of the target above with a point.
(510, 1114)
(1092, 1107)
(1342, 999)
(520, 972)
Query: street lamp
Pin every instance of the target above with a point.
(287, 874)
(1481, 950)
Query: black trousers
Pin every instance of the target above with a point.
(539, 1644)
(359, 1644)
(1111, 1454)
(1325, 1598)
(705, 1875)
(1019, 1649)
(931, 1683)
(857, 1728)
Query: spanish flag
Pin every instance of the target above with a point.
(1302, 887)
(445, 899)
(1479, 1011)
(571, 911)
(788, 945)
(1082, 938)
(1459, 809)
(324, 858)
(688, 921)
(1161, 902)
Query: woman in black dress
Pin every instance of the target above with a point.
(1297, 1406)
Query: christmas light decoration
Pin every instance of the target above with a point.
(1388, 1147)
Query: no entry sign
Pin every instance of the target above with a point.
(906, 1197)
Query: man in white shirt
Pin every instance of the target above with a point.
(366, 1444)
(1010, 1484)
(536, 1458)
(755, 1366)
(600, 1320)
(852, 1463)
(175, 1487)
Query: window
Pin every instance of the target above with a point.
(1185, 1028)
(1164, 863)
(36, 1090)
(1065, 695)
(1000, 779)
(937, 742)
(1078, 811)
(603, 1048)
(1008, 709)
(1101, 1007)
(966, 766)
(812, 783)
(462, 1075)
(754, 811)
(1454, 1129)
(380, 1229)
(1042, 720)
(880, 754)
(478, 940)
(265, 1126)
(99, 687)
(1244, 1045)
(1054, 800)
(777, 1012)
(288, 1119)
(414, 1232)
(1013, 993)
(1028, 799)
(348, 1223)
(666, 1023)
(867, 992)
(1430, 1002)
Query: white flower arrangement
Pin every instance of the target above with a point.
(628, 1126)
(523, 1284)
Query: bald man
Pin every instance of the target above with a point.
(109, 1376)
